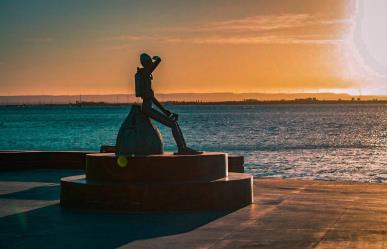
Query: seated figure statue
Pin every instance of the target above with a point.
(143, 86)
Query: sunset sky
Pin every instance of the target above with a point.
(92, 47)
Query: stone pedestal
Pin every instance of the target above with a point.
(157, 183)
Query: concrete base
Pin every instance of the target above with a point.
(21, 160)
(232, 192)
(167, 168)
(27, 159)
(157, 183)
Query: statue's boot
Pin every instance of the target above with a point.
(188, 151)
(180, 141)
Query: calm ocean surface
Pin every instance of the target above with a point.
(329, 142)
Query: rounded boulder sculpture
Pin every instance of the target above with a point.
(138, 136)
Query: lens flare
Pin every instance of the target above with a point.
(122, 161)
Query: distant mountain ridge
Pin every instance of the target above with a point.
(189, 97)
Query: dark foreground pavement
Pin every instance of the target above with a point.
(285, 214)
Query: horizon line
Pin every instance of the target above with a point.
(235, 93)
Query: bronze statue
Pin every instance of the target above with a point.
(143, 86)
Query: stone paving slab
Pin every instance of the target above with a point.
(285, 214)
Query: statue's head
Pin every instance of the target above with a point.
(145, 60)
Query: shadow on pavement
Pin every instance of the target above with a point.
(37, 175)
(56, 227)
(35, 193)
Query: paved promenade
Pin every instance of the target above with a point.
(285, 214)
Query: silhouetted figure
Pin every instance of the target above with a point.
(143, 81)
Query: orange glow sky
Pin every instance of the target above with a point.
(92, 47)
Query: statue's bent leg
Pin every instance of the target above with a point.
(176, 131)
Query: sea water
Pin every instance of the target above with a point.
(346, 142)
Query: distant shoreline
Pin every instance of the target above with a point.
(219, 98)
(244, 102)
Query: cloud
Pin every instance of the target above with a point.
(264, 40)
(261, 29)
(232, 40)
(39, 40)
(257, 23)
(161, 38)
(129, 39)
(262, 23)
(337, 21)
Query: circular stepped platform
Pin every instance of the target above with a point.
(156, 168)
(157, 183)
